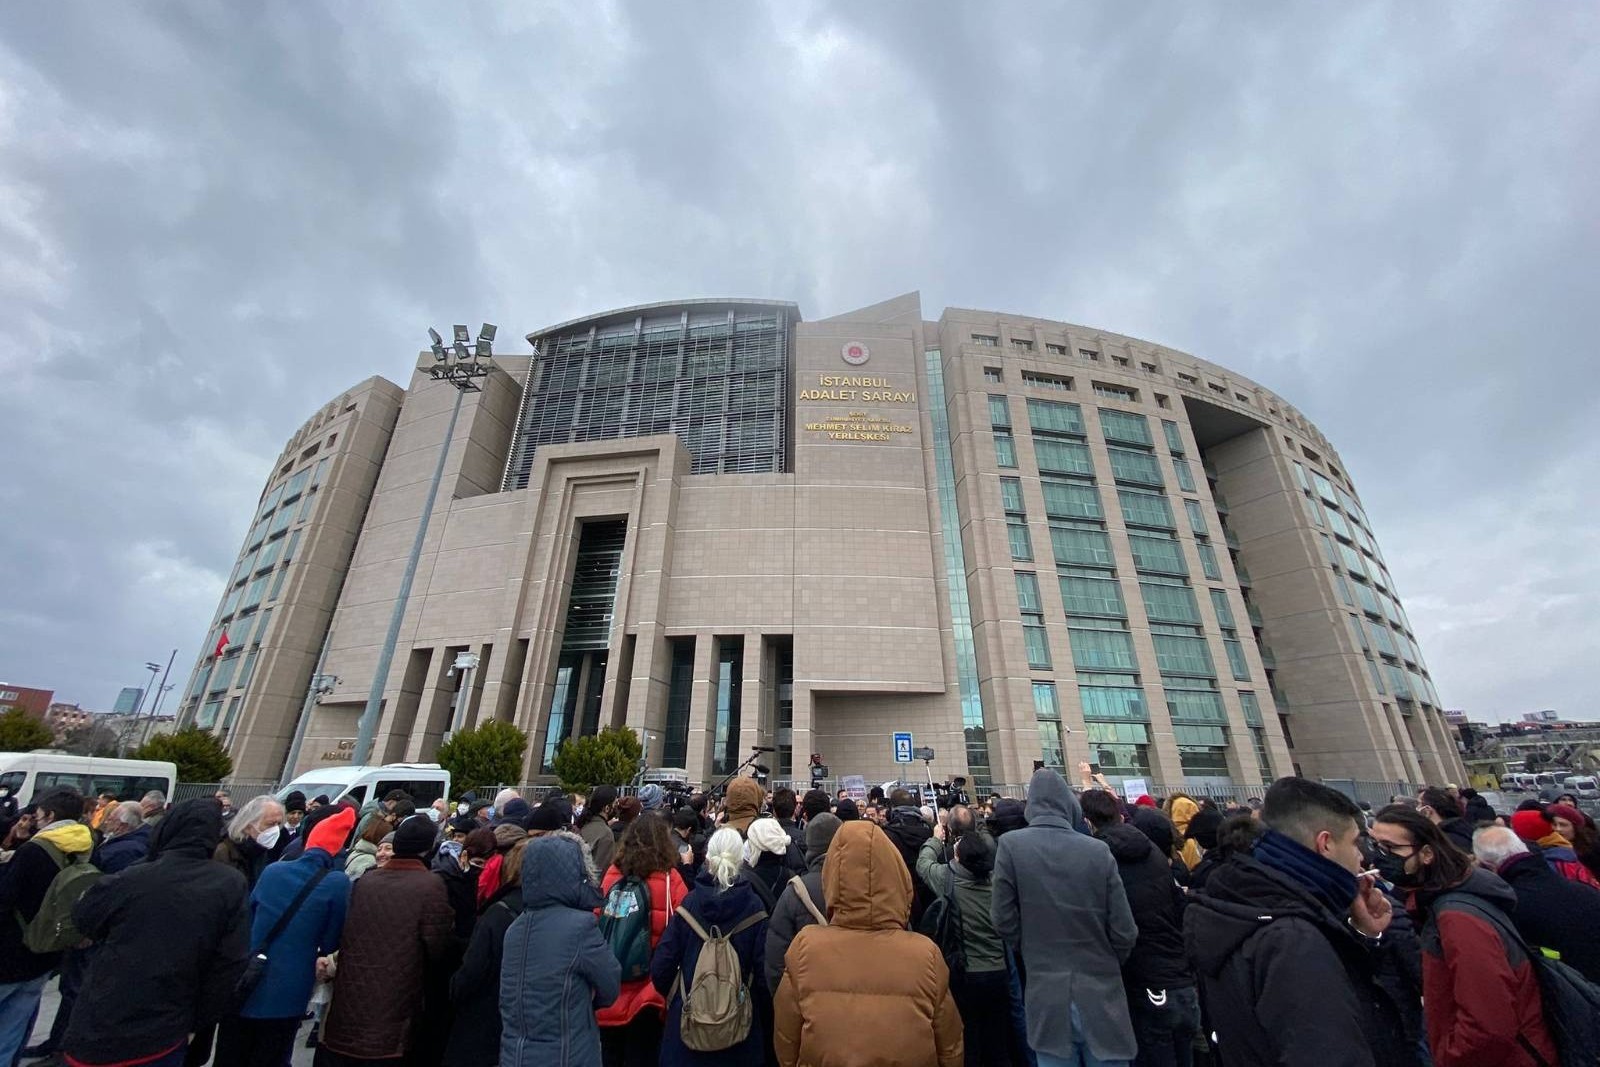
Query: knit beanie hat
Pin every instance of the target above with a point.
(413, 838)
(1145, 801)
(819, 833)
(331, 833)
(462, 824)
(1567, 812)
(508, 834)
(1531, 825)
(652, 797)
(547, 817)
(847, 809)
(295, 801)
(514, 811)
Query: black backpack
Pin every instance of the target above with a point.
(941, 923)
(1570, 1001)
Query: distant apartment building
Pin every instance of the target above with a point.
(33, 701)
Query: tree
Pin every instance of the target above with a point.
(610, 757)
(488, 754)
(199, 755)
(21, 732)
(92, 739)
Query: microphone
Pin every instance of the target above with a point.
(762, 748)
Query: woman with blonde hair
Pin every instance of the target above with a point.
(722, 901)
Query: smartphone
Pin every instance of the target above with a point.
(1094, 768)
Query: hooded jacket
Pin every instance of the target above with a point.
(556, 968)
(1480, 994)
(1157, 961)
(23, 884)
(172, 933)
(1183, 810)
(397, 931)
(1283, 979)
(791, 915)
(1059, 901)
(863, 989)
(742, 805)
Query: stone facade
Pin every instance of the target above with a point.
(826, 588)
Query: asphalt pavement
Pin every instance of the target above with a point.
(52, 1000)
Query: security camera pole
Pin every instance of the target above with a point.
(463, 373)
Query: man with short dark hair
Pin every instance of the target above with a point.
(816, 802)
(783, 805)
(1443, 809)
(1282, 940)
(60, 839)
(1162, 1001)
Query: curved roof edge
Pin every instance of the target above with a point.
(656, 305)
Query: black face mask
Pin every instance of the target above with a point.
(1391, 869)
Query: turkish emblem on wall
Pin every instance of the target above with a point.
(855, 353)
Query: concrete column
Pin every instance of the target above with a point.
(702, 707)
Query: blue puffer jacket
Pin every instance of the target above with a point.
(557, 969)
(314, 931)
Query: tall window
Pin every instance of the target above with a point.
(1016, 519)
(1047, 713)
(725, 738)
(1033, 631)
(680, 690)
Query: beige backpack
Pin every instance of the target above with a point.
(716, 1002)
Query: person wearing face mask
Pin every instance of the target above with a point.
(1480, 993)
(1283, 941)
(309, 897)
(254, 839)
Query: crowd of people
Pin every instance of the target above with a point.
(1074, 926)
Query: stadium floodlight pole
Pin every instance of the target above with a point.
(462, 373)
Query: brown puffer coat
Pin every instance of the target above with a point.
(864, 990)
(399, 929)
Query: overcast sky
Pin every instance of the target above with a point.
(214, 217)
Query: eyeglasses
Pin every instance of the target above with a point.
(1393, 850)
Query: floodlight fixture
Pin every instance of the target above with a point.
(485, 346)
(463, 335)
(439, 352)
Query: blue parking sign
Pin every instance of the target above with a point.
(902, 748)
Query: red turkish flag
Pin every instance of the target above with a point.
(222, 644)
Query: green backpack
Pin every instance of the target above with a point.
(52, 928)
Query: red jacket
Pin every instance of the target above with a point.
(1479, 991)
(667, 890)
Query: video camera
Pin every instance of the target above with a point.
(949, 794)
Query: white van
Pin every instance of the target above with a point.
(426, 782)
(1583, 786)
(29, 774)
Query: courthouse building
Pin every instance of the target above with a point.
(726, 527)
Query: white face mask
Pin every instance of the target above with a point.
(269, 837)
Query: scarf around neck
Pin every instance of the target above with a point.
(1327, 881)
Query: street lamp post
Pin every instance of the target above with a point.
(463, 373)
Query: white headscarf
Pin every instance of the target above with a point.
(765, 835)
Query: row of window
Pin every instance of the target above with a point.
(1118, 732)
(1093, 355)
